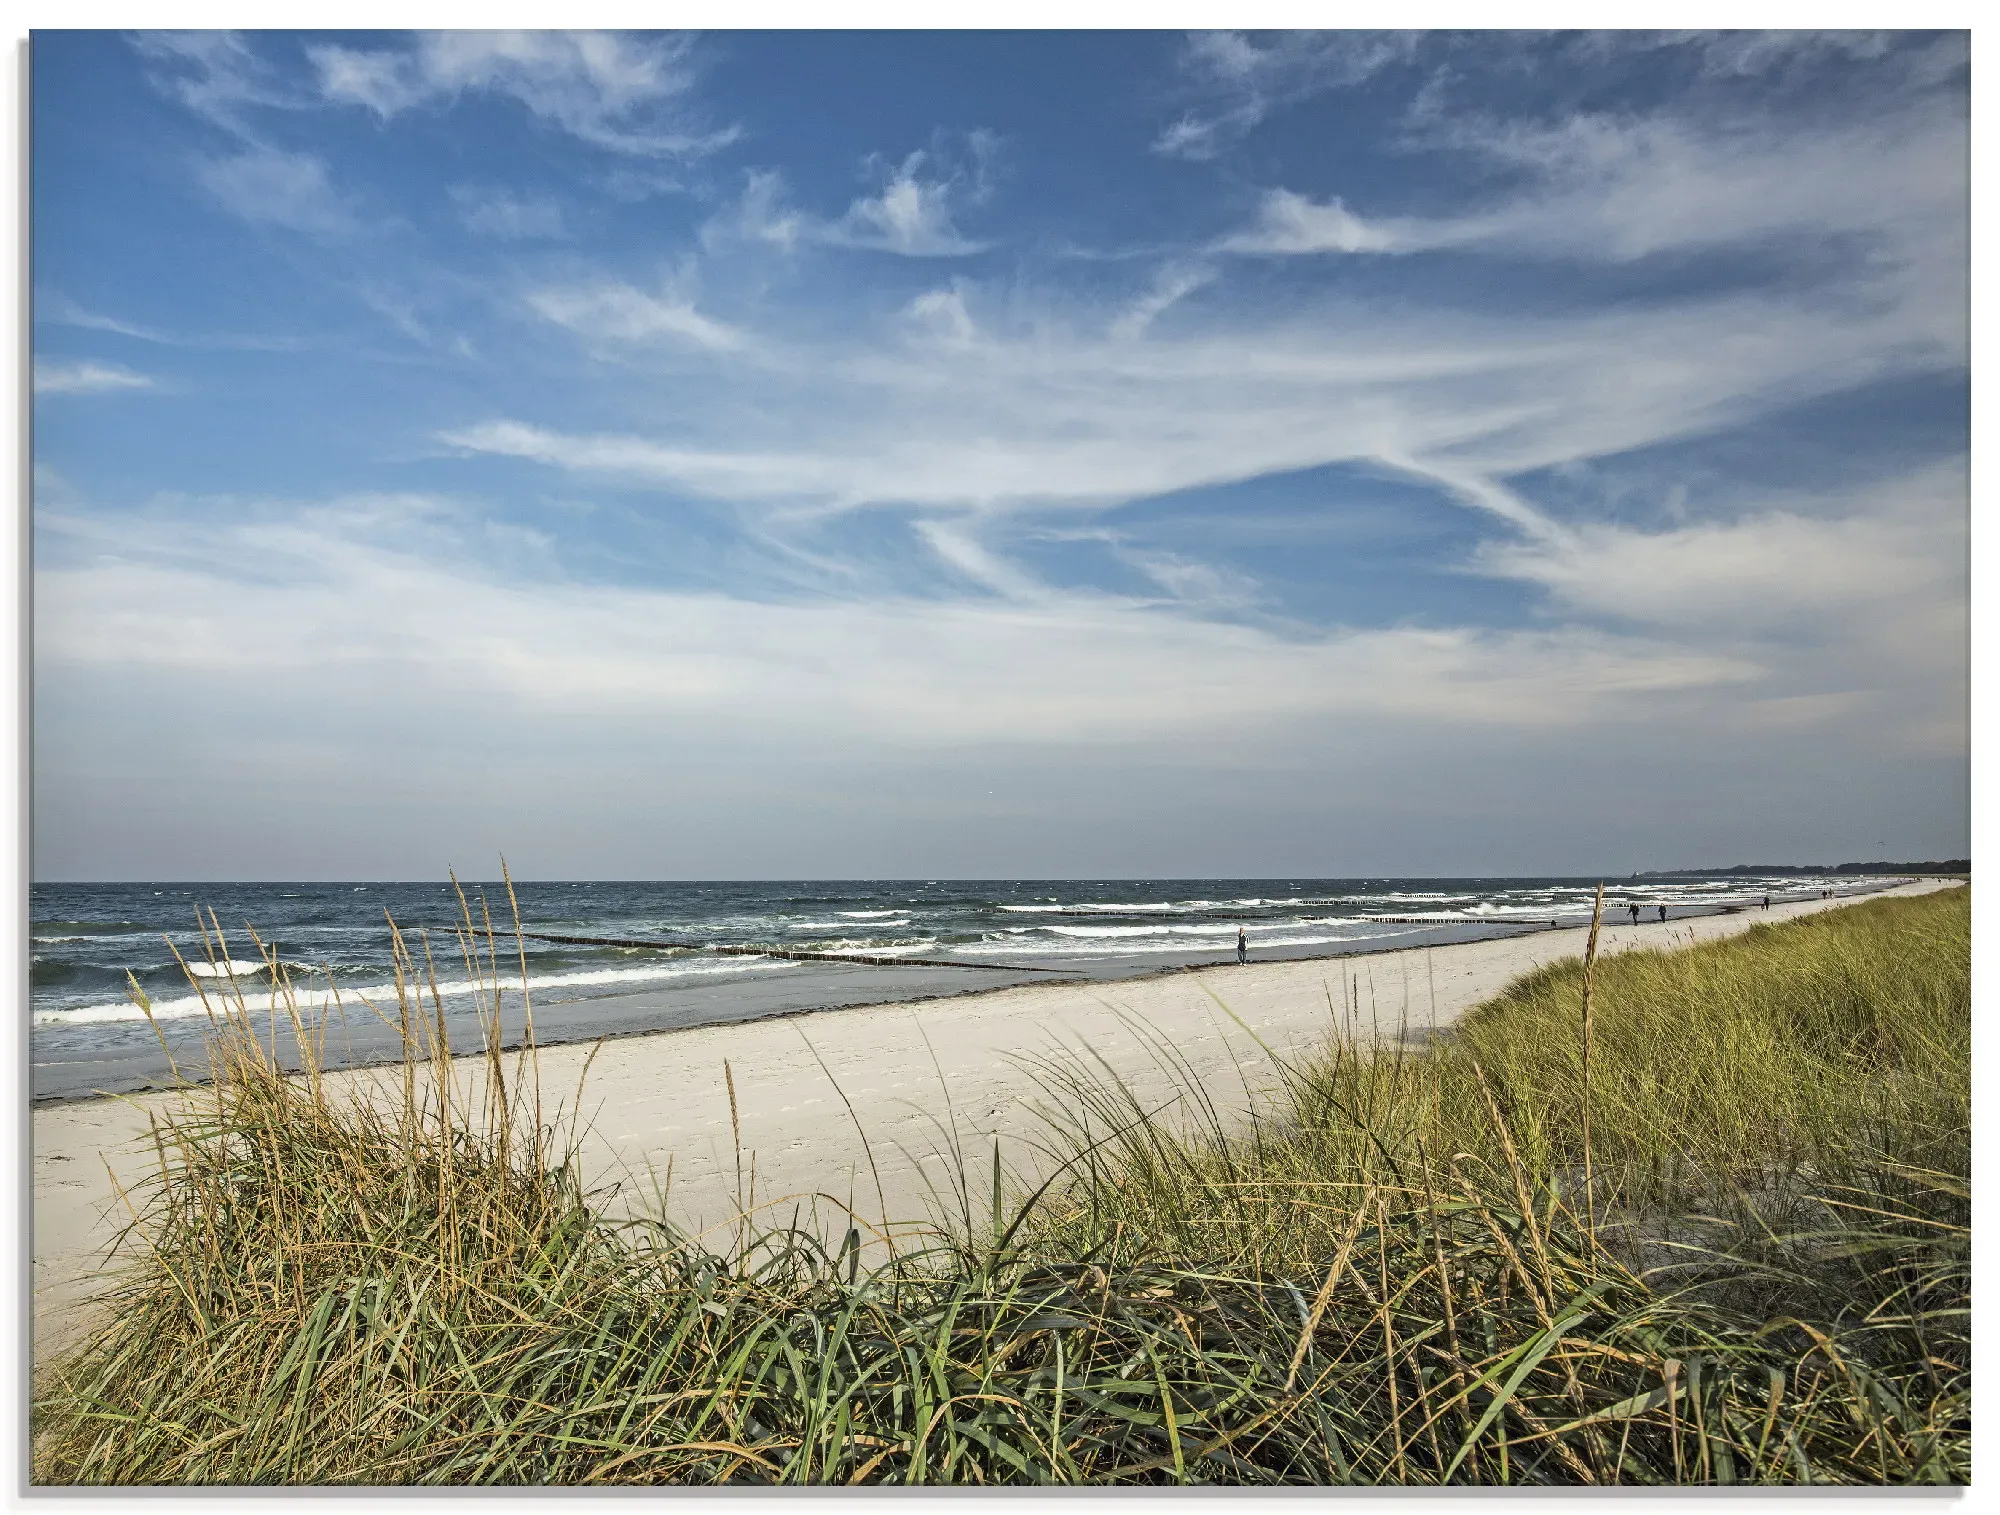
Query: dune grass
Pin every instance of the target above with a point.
(1401, 1274)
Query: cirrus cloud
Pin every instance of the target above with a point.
(626, 94)
(82, 377)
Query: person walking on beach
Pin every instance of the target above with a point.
(1663, 915)
(1767, 902)
(1242, 946)
(1634, 908)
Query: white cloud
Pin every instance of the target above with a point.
(956, 542)
(277, 188)
(913, 214)
(973, 411)
(436, 609)
(760, 215)
(1029, 412)
(507, 217)
(1902, 58)
(1291, 223)
(67, 312)
(618, 313)
(1240, 80)
(943, 315)
(999, 396)
(623, 93)
(1855, 604)
(81, 377)
(448, 690)
(1618, 189)
(1243, 80)
(1867, 560)
(221, 78)
(217, 75)
(722, 474)
(1200, 587)
(386, 83)
(1173, 283)
(58, 310)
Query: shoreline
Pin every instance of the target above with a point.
(1040, 979)
(973, 991)
(871, 1112)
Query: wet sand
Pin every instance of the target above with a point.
(919, 1079)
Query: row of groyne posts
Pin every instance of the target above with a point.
(878, 960)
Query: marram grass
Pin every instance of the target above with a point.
(1405, 1275)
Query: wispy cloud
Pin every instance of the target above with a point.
(760, 215)
(333, 594)
(1174, 282)
(222, 79)
(724, 475)
(1030, 412)
(1618, 189)
(492, 211)
(942, 316)
(1921, 59)
(1242, 79)
(218, 76)
(58, 310)
(912, 214)
(269, 186)
(1190, 584)
(620, 314)
(957, 544)
(1292, 223)
(66, 312)
(80, 377)
(1864, 559)
(623, 93)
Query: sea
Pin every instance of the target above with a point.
(97, 949)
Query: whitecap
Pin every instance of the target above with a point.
(1147, 907)
(315, 1001)
(838, 925)
(234, 967)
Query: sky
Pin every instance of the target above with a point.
(792, 455)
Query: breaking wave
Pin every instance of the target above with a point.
(315, 1000)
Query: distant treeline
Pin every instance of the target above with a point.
(1949, 865)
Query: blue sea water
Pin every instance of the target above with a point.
(93, 943)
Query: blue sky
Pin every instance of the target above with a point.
(1031, 454)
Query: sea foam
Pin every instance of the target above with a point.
(315, 1000)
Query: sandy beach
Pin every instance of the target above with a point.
(916, 1080)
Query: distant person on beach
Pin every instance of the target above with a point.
(1767, 902)
(1663, 915)
(1634, 908)
(1242, 946)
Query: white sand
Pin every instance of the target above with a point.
(651, 1100)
